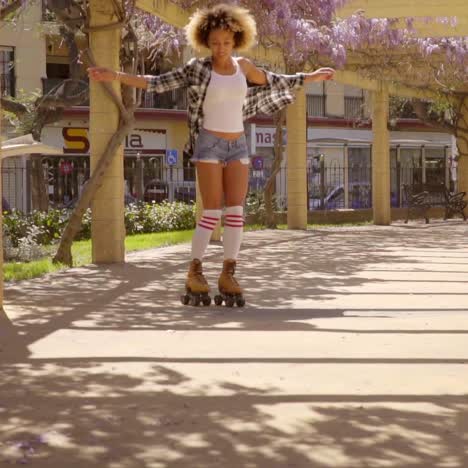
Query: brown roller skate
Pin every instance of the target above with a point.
(229, 290)
(196, 286)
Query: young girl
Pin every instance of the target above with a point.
(219, 101)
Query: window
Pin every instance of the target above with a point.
(353, 103)
(316, 101)
(7, 71)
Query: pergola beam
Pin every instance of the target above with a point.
(168, 11)
(175, 15)
(438, 29)
(427, 15)
(353, 78)
(405, 8)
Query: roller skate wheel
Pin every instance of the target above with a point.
(240, 302)
(218, 300)
(206, 301)
(195, 301)
(185, 299)
(229, 302)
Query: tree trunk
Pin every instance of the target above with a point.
(127, 106)
(64, 254)
(270, 219)
(461, 133)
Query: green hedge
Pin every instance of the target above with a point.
(23, 233)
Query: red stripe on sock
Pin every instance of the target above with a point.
(207, 221)
(234, 216)
(234, 225)
(210, 228)
(209, 217)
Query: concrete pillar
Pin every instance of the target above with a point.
(107, 224)
(381, 157)
(1, 223)
(423, 164)
(346, 175)
(296, 150)
(462, 145)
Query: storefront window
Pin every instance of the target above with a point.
(435, 165)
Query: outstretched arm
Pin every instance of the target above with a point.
(321, 74)
(176, 78)
(106, 74)
(257, 76)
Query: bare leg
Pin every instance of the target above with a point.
(236, 180)
(210, 182)
(210, 179)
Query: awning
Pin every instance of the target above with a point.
(25, 145)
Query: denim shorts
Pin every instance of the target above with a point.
(209, 147)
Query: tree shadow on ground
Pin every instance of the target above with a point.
(108, 406)
(77, 415)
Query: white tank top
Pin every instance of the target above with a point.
(224, 100)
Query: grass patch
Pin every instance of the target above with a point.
(338, 225)
(81, 252)
(156, 239)
(16, 271)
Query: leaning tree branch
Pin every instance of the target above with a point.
(126, 123)
(63, 254)
(14, 107)
(9, 9)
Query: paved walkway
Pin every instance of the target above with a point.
(352, 352)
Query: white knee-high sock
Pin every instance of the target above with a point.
(203, 231)
(233, 229)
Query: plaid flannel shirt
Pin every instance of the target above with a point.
(195, 76)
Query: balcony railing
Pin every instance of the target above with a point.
(315, 106)
(175, 99)
(7, 85)
(354, 107)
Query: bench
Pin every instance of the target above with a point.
(421, 197)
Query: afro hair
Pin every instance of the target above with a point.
(229, 17)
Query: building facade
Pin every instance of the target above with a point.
(338, 138)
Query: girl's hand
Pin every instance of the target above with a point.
(322, 74)
(102, 74)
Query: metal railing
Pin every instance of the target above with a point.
(7, 85)
(315, 105)
(353, 107)
(330, 185)
(175, 99)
